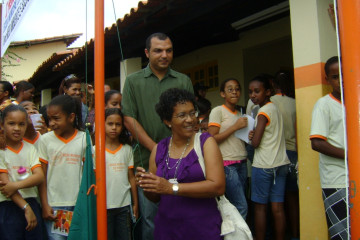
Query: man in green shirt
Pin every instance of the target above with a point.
(141, 92)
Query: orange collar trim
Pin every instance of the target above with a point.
(34, 140)
(67, 140)
(114, 151)
(233, 112)
(332, 96)
(15, 150)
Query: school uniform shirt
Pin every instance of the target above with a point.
(286, 106)
(118, 162)
(35, 141)
(327, 124)
(272, 151)
(11, 160)
(64, 159)
(231, 148)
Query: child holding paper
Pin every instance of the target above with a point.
(224, 120)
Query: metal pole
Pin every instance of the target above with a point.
(349, 32)
(99, 67)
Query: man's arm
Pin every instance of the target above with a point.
(138, 132)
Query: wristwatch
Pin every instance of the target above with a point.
(175, 188)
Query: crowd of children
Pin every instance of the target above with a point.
(52, 153)
(54, 147)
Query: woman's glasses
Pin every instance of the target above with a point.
(183, 116)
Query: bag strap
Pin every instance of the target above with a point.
(197, 148)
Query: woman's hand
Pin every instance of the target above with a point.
(138, 177)
(30, 218)
(8, 189)
(155, 184)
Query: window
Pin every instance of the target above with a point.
(206, 74)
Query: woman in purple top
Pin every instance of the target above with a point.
(187, 206)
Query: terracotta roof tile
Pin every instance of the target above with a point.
(69, 39)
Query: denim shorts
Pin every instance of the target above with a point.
(268, 184)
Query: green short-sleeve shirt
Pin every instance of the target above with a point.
(141, 93)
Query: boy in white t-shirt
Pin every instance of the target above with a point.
(327, 138)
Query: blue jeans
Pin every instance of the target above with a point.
(236, 175)
(118, 223)
(148, 211)
(49, 225)
(268, 184)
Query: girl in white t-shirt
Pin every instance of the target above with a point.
(270, 165)
(20, 213)
(224, 121)
(121, 190)
(62, 152)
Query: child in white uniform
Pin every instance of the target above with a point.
(20, 213)
(270, 164)
(120, 179)
(327, 138)
(62, 152)
(223, 122)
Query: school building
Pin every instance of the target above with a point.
(24, 57)
(214, 40)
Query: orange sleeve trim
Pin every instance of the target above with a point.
(3, 171)
(130, 167)
(267, 117)
(214, 124)
(36, 166)
(43, 160)
(318, 136)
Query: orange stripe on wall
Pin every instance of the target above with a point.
(310, 75)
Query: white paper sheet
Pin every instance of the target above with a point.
(243, 133)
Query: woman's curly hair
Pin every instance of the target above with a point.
(169, 99)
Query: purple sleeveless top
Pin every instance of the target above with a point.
(184, 217)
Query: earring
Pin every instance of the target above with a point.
(169, 126)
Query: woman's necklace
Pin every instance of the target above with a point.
(177, 164)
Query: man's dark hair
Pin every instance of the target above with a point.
(159, 35)
(329, 62)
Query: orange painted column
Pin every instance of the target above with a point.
(314, 41)
(100, 121)
(349, 31)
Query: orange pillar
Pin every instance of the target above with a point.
(100, 121)
(349, 31)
